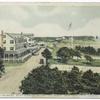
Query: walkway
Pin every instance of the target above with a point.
(10, 82)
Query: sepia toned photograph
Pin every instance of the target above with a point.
(50, 49)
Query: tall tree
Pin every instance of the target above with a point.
(77, 54)
(88, 58)
(91, 82)
(72, 53)
(47, 54)
(43, 80)
(64, 54)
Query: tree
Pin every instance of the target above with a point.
(1, 53)
(90, 50)
(87, 50)
(98, 51)
(47, 54)
(91, 82)
(77, 54)
(72, 52)
(74, 83)
(64, 54)
(88, 58)
(88, 75)
(2, 69)
(43, 80)
(78, 48)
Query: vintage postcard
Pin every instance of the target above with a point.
(50, 50)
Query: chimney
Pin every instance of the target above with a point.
(2, 32)
(21, 33)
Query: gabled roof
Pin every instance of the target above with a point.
(14, 35)
(19, 35)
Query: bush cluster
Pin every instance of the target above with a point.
(66, 53)
(44, 80)
(88, 50)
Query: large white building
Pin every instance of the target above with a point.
(16, 46)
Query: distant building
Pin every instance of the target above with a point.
(42, 44)
(30, 41)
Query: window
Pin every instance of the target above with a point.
(6, 55)
(11, 41)
(4, 41)
(29, 43)
(11, 48)
(4, 36)
(29, 39)
(4, 48)
(11, 55)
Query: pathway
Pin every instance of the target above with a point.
(10, 82)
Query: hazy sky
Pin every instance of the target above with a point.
(44, 19)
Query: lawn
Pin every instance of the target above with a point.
(9, 64)
(82, 62)
(67, 43)
(54, 46)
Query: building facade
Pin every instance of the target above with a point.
(16, 46)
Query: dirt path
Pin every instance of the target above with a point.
(83, 68)
(10, 82)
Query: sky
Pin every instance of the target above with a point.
(50, 19)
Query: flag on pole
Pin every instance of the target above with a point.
(69, 26)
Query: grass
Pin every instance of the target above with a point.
(67, 43)
(96, 62)
(9, 64)
(81, 62)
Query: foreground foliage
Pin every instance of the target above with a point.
(2, 69)
(44, 80)
(47, 54)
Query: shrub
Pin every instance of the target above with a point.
(2, 69)
(47, 54)
(88, 58)
(87, 50)
(64, 54)
(91, 82)
(44, 80)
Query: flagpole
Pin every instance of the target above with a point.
(72, 37)
(72, 40)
